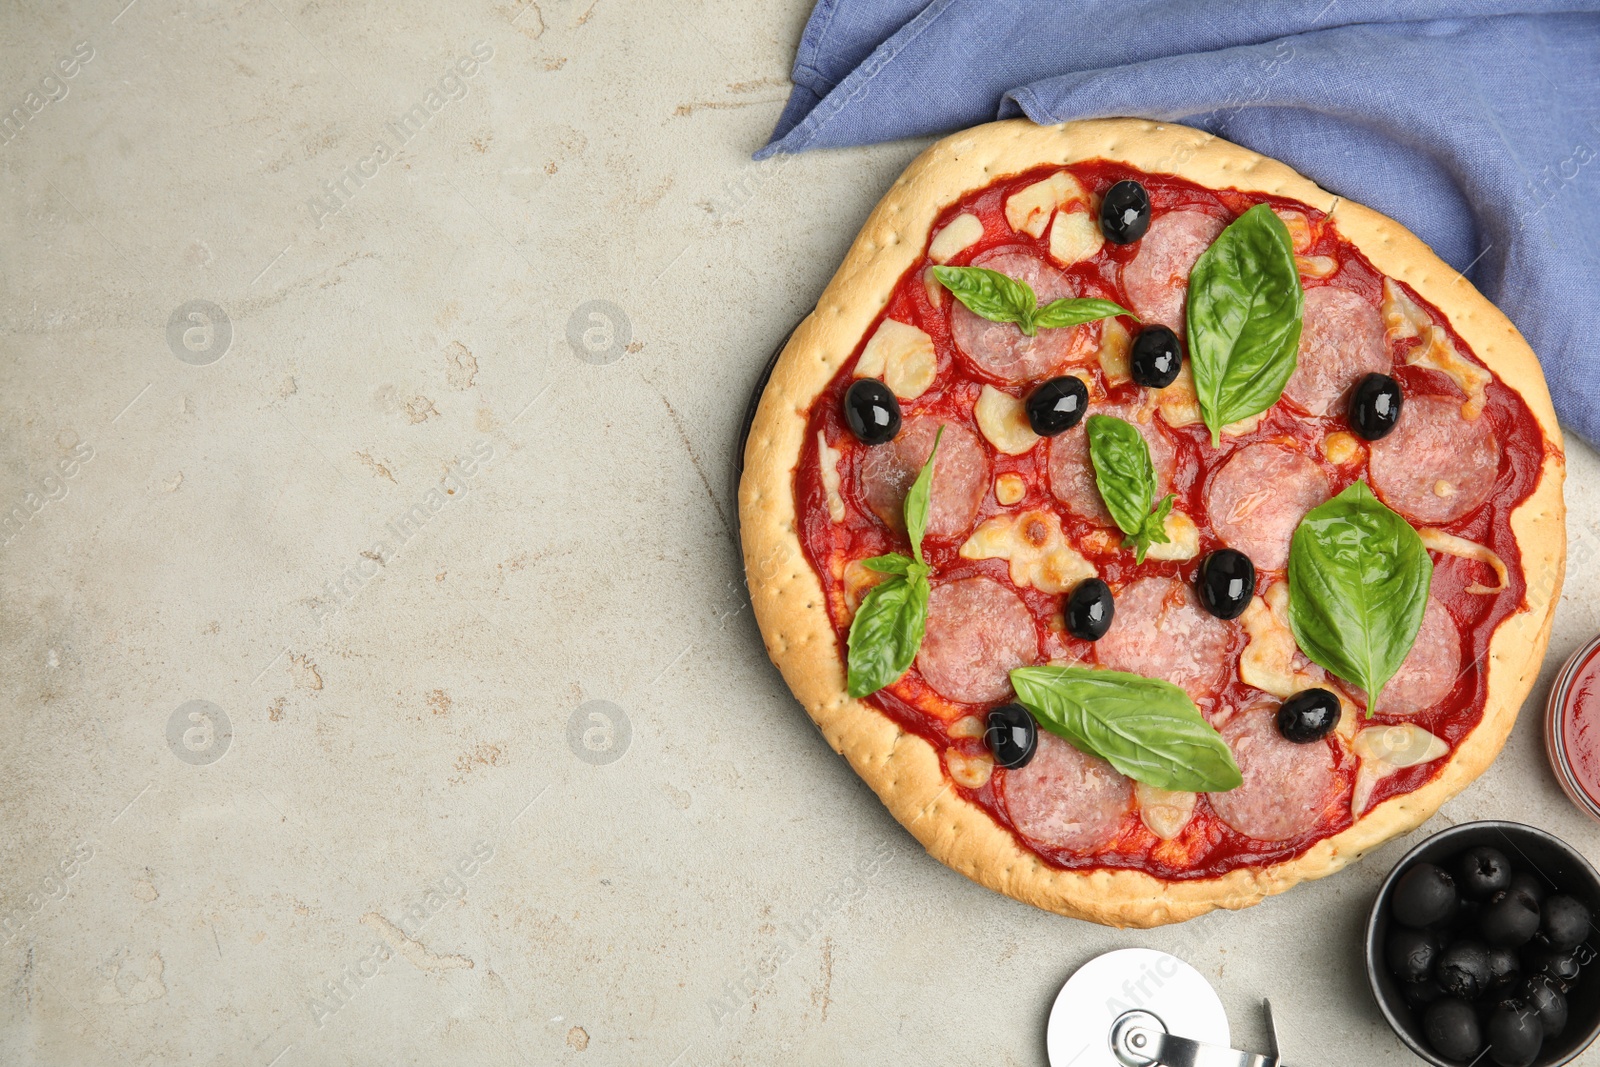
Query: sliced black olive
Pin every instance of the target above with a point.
(1411, 953)
(1564, 922)
(1540, 994)
(1463, 969)
(1514, 1037)
(1057, 405)
(1089, 610)
(1309, 715)
(1125, 213)
(1375, 406)
(1227, 582)
(1012, 735)
(1425, 895)
(1483, 871)
(1509, 919)
(1451, 1027)
(872, 411)
(1156, 358)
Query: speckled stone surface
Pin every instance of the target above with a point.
(371, 377)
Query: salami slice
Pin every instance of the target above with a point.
(1436, 466)
(1001, 349)
(1161, 631)
(1341, 341)
(978, 630)
(1259, 496)
(1430, 669)
(1072, 475)
(1156, 279)
(960, 476)
(1064, 798)
(1288, 788)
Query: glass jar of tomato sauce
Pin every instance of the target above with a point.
(1572, 728)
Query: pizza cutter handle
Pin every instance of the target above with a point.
(1140, 1042)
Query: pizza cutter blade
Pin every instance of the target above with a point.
(1137, 1007)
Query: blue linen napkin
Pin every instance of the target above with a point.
(1479, 133)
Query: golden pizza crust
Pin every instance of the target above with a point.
(904, 769)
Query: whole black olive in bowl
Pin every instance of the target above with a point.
(1509, 919)
(1426, 896)
(1483, 872)
(1561, 870)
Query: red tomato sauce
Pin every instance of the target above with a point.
(1206, 847)
(1580, 726)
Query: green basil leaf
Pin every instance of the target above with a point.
(886, 633)
(1127, 480)
(990, 294)
(1154, 530)
(1358, 586)
(1075, 311)
(1245, 305)
(892, 563)
(1146, 728)
(919, 500)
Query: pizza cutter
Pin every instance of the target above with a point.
(1137, 1007)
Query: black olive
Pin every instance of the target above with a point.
(1155, 359)
(1540, 994)
(1012, 735)
(1226, 583)
(1057, 405)
(1531, 884)
(872, 411)
(1418, 994)
(1375, 406)
(1411, 953)
(1309, 715)
(1514, 1037)
(1509, 919)
(1125, 213)
(1463, 969)
(1504, 969)
(1090, 608)
(1451, 1027)
(1547, 960)
(1565, 922)
(1425, 895)
(1483, 871)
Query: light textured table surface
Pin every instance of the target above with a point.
(412, 506)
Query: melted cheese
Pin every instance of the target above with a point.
(1115, 344)
(1004, 421)
(1184, 539)
(1028, 210)
(1340, 447)
(1166, 813)
(970, 771)
(1383, 750)
(963, 232)
(1268, 661)
(1179, 405)
(966, 726)
(1298, 225)
(1075, 237)
(1010, 488)
(902, 356)
(1315, 266)
(857, 580)
(1403, 319)
(1451, 545)
(828, 460)
(1032, 542)
(934, 290)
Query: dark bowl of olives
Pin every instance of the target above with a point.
(1482, 946)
